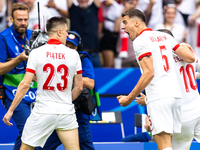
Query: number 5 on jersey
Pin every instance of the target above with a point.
(164, 58)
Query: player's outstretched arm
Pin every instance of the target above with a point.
(185, 52)
(21, 92)
(78, 86)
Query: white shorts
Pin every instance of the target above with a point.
(39, 127)
(189, 130)
(164, 115)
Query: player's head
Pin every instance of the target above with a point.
(57, 28)
(133, 22)
(166, 31)
(74, 40)
(20, 18)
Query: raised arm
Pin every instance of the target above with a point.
(62, 12)
(97, 3)
(185, 52)
(69, 3)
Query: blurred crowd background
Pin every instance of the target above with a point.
(113, 47)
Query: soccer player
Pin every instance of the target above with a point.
(154, 55)
(56, 68)
(190, 112)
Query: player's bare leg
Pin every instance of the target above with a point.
(69, 139)
(26, 147)
(163, 140)
(108, 58)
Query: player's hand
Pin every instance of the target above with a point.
(6, 118)
(123, 100)
(147, 127)
(34, 78)
(141, 100)
(188, 46)
(23, 56)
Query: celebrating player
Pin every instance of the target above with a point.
(154, 55)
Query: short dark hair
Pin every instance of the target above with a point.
(54, 22)
(166, 31)
(18, 6)
(134, 13)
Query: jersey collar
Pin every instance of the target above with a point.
(147, 29)
(54, 41)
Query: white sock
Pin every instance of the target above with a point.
(168, 148)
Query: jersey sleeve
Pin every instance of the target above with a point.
(173, 42)
(78, 64)
(31, 65)
(141, 49)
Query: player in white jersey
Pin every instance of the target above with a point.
(57, 68)
(154, 54)
(190, 112)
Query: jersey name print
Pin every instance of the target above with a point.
(159, 46)
(55, 55)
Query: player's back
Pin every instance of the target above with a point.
(186, 77)
(159, 45)
(56, 66)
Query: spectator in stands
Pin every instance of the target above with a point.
(124, 44)
(5, 7)
(184, 9)
(84, 20)
(194, 32)
(111, 11)
(45, 14)
(155, 11)
(57, 7)
(178, 30)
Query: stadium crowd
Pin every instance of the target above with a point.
(111, 46)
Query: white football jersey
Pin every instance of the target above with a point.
(160, 45)
(55, 66)
(186, 77)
